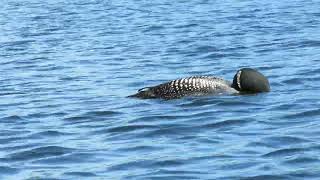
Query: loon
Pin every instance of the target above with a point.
(246, 80)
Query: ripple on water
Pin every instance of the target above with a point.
(280, 177)
(12, 119)
(279, 141)
(302, 161)
(226, 124)
(130, 128)
(169, 174)
(49, 133)
(304, 114)
(102, 113)
(155, 118)
(5, 170)
(140, 148)
(38, 153)
(91, 115)
(69, 158)
(80, 174)
(285, 152)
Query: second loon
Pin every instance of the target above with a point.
(246, 80)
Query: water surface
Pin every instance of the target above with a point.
(67, 67)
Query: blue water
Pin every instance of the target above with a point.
(66, 68)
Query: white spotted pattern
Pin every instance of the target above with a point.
(194, 85)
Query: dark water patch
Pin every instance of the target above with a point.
(248, 134)
(42, 177)
(267, 44)
(215, 157)
(300, 44)
(19, 135)
(285, 106)
(12, 119)
(306, 173)
(200, 139)
(171, 131)
(302, 161)
(68, 78)
(91, 116)
(13, 132)
(278, 141)
(81, 174)
(170, 174)
(285, 152)
(153, 28)
(5, 170)
(163, 177)
(48, 134)
(259, 144)
(304, 114)
(102, 113)
(168, 163)
(38, 153)
(8, 140)
(235, 49)
(239, 166)
(186, 25)
(316, 14)
(207, 49)
(294, 81)
(133, 164)
(309, 72)
(51, 67)
(43, 115)
(197, 115)
(18, 146)
(17, 45)
(263, 68)
(198, 102)
(231, 103)
(77, 119)
(154, 118)
(130, 128)
(220, 34)
(279, 123)
(309, 43)
(315, 147)
(258, 177)
(40, 17)
(216, 55)
(11, 93)
(236, 55)
(69, 158)
(224, 125)
(140, 149)
(266, 50)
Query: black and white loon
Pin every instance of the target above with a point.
(246, 80)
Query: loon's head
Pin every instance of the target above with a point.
(250, 81)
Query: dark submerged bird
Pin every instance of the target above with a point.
(246, 80)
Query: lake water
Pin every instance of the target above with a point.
(66, 68)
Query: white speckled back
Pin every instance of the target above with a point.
(193, 86)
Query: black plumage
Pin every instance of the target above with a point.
(246, 80)
(191, 86)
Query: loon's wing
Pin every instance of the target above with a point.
(191, 86)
